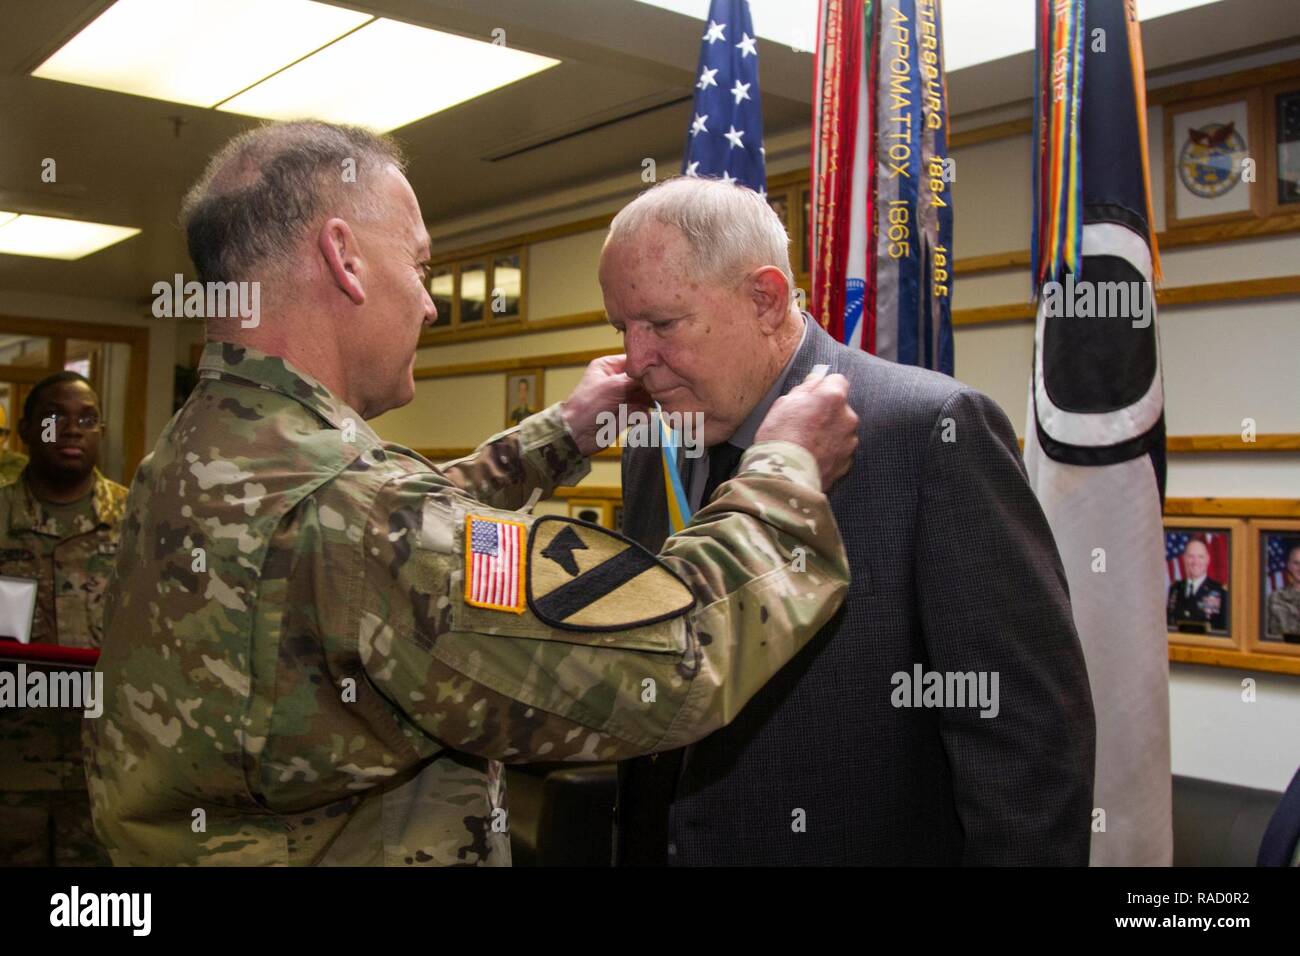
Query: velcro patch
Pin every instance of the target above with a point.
(582, 577)
(495, 563)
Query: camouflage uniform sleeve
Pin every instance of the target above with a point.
(539, 452)
(764, 563)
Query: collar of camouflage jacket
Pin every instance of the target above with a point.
(27, 514)
(240, 363)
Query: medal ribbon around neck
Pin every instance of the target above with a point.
(679, 508)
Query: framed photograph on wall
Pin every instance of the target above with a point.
(523, 394)
(1207, 145)
(593, 510)
(1282, 147)
(1275, 586)
(1205, 566)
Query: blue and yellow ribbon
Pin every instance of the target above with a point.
(679, 508)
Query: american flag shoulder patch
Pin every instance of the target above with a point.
(495, 560)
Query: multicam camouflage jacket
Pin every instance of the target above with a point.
(40, 749)
(319, 645)
(70, 563)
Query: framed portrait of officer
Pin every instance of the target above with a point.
(1204, 568)
(523, 395)
(1275, 580)
(1215, 164)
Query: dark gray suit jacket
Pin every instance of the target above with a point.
(954, 568)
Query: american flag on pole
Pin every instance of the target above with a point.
(494, 564)
(725, 138)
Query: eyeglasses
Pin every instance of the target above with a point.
(89, 422)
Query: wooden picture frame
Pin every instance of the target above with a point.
(447, 281)
(1184, 612)
(497, 261)
(443, 281)
(467, 272)
(584, 509)
(1262, 530)
(533, 401)
(1183, 206)
(1275, 164)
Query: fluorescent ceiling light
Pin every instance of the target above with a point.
(25, 235)
(974, 31)
(285, 59)
(386, 75)
(198, 52)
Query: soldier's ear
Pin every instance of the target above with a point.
(342, 257)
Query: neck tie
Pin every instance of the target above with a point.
(723, 460)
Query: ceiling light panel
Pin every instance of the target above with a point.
(388, 74)
(51, 238)
(198, 52)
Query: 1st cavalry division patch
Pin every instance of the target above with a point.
(584, 578)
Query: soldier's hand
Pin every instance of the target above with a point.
(816, 415)
(603, 388)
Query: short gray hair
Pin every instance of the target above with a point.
(265, 186)
(730, 229)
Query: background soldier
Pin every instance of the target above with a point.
(11, 462)
(59, 526)
(1284, 605)
(319, 646)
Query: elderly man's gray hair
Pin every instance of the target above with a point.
(730, 229)
(265, 186)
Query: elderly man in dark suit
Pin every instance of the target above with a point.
(873, 746)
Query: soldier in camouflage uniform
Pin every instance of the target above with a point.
(59, 526)
(12, 463)
(304, 662)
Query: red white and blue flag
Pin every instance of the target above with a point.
(881, 225)
(725, 137)
(494, 564)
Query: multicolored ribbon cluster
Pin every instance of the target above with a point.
(881, 228)
(1058, 183)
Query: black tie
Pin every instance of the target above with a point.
(723, 460)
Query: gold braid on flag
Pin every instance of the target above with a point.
(1140, 98)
